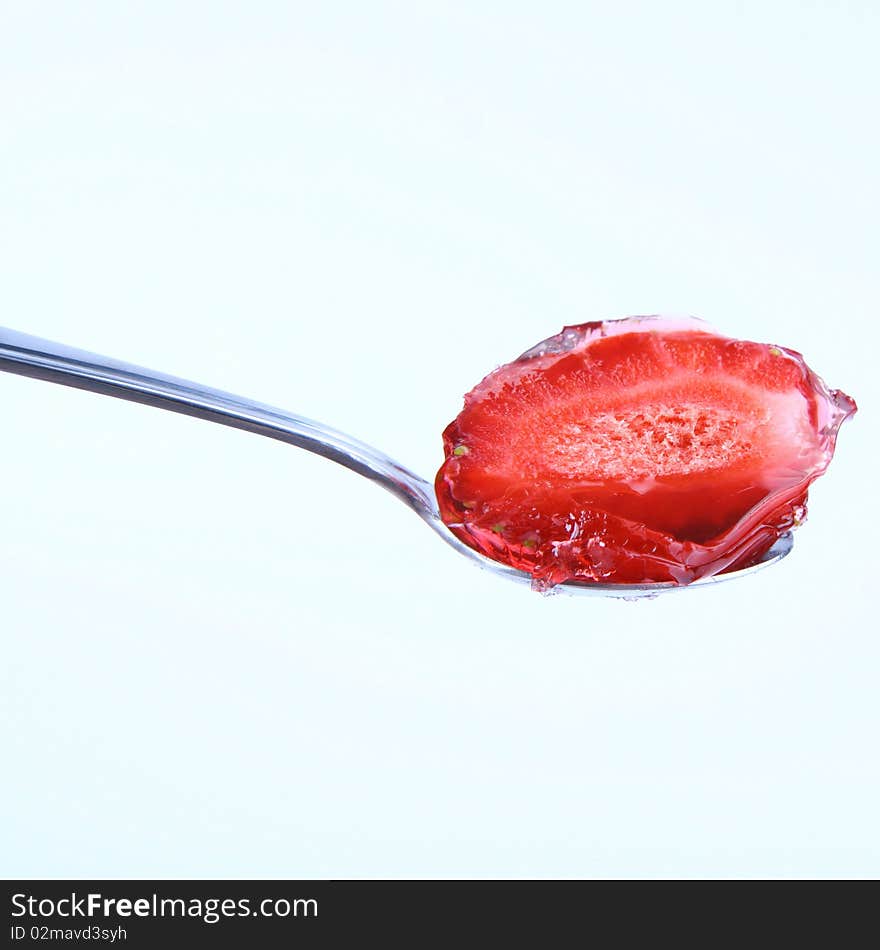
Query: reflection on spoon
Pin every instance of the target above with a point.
(31, 356)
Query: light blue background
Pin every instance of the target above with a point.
(225, 657)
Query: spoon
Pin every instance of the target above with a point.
(42, 359)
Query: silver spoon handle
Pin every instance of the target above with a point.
(42, 359)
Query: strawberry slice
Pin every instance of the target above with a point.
(635, 451)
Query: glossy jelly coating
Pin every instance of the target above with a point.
(632, 451)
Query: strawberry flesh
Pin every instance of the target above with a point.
(637, 451)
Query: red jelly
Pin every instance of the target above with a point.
(635, 451)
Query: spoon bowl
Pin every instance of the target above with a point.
(37, 358)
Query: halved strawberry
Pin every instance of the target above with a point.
(637, 450)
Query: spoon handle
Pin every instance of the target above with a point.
(42, 359)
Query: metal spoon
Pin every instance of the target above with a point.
(42, 359)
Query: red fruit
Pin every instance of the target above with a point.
(635, 451)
